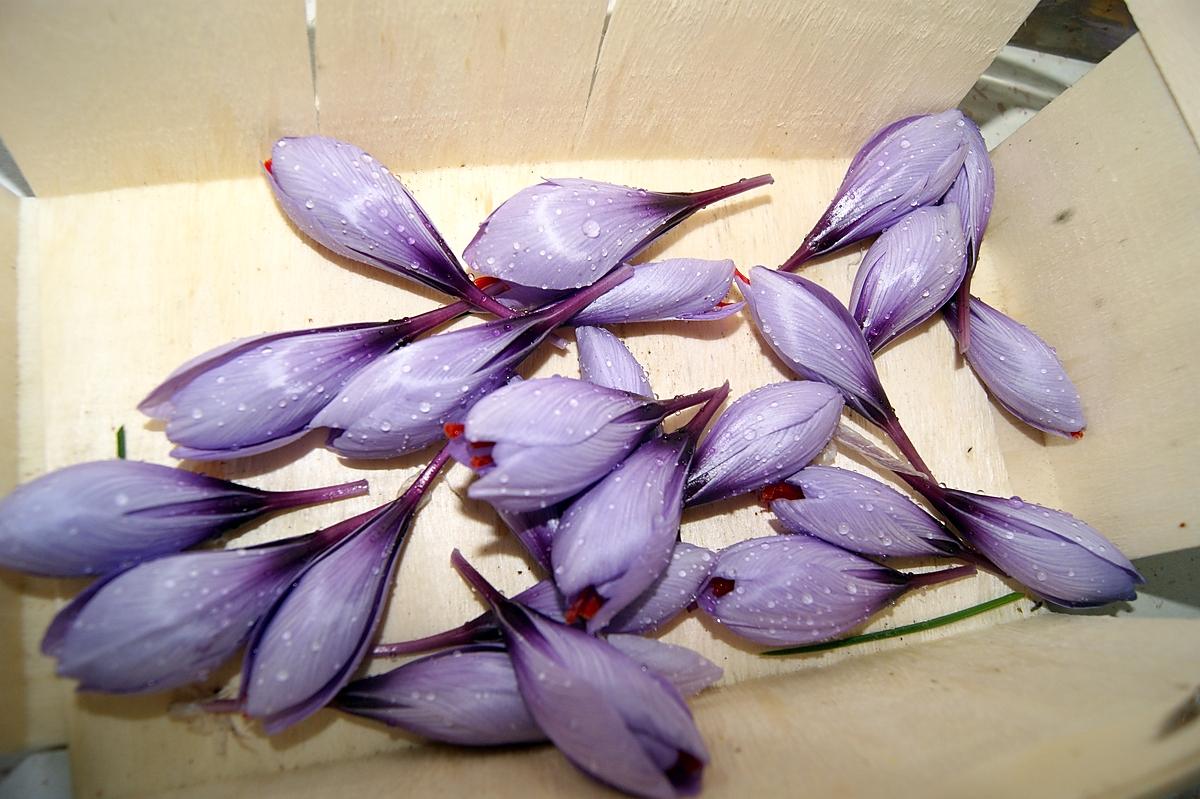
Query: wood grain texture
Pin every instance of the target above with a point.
(1094, 237)
(466, 81)
(1170, 29)
(781, 78)
(1055, 707)
(97, 94)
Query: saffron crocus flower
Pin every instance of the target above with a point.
(567, 233)
(606, 361)
(553, 437)
(1056, 556)
(861, 515)
(260, 393)
(402, 401)
(615, 720)
(763, 437)
(818, 338)
(1021, 371)
(97, 517)
(796, 589)
(350, 203)
(905, 165)
(172, 621)
(972, 192)
(910, 272)
(615, 540)
(313, 639)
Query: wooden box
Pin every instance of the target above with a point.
(141, 127)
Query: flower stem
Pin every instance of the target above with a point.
(562, 312)
(892, 427)
(925, 579)
(799, 258)
(485, 302)
(896, 632)
(700, 199)
(676, 404)
(476, 580)
(964, 313)
(468, 633)
(696, 425)
(311, 496)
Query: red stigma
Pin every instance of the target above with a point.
(585, 606)
(720, 586)
(741, 277)
(485, 281)
(685, 770)
(480, 461)
(267, 166)
(453, 430)
(770, 493)
(1078, 434)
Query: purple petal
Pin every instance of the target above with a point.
(679, 288)
(614, 719)
(535, 530)
(98, 517)
(669, 595)
(789, 590)
(259, 393)
(618, 538)
(762, 438)
(688, 671)
(606, 361)
(973, 189)
(350, 203)
(862, 515)
(1021, 371)
(904, 166)
(910, 272)
(817, 337)
(543, 597)
(567, 233)
(466, 696)
(553, 438)
(1055, 555)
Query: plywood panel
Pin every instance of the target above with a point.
(456, 81)
(96, 94)
(784, 78)
(1094, 238)
(1170, 28)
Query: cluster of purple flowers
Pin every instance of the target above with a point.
(586, 473)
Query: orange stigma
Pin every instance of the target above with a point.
(485, 281)
(480, 461)
(778, 491)
(720, 586)
(1078, 434)
(453, 429)
(267, 166)
(585, 606)
(741, 277)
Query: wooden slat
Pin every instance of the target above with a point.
(464, 81)
(782, 78)
(1170, 29)
(96, 94)
(1094, 238)
(1056, 707)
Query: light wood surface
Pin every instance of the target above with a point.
(1170, 28)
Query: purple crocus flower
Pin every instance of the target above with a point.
(788, 590)
(553, 437)
(615, 540)
(763, 437)
(567, 233)
(615, 720)
(1056, 556)
(402, 402)
(818, 338)
(260, 393)
(910, 272)
(861, 515)
(1021, 371)
(905, 165)
(97, 517)
(172, 621)
(353, 205)
(311, 642)
(605, 361)
(972, 192)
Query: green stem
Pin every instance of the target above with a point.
(906, 629)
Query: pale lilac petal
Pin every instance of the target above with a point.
(466, 696)
(817, 337)
(974, 189)
(567, 233)
(788, 590)
(690, 672)
(618, 537)
(535, 530)
(862, 515)
(606, 361)
(1021, 371)
(553, 437)
(906, 165)
(673, 591)
(911, 270)
(678, 288)
(762, 438)
(93, 518)
(543, 597)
